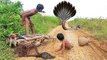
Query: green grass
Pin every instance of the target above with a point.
(44, 24)
(97, 27)
(5, 52)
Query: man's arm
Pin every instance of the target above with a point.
(63, 46)
(42, 11)
(59, 48)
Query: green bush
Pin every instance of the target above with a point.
(9, 23)
(9, 18)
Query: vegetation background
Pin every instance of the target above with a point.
(10, 19)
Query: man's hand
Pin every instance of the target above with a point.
(43, 11)
(58, 49)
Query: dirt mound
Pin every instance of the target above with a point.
(95, 50)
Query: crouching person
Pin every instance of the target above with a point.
(66, 45)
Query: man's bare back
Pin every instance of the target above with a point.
(26, 18)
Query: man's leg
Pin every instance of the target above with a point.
(32, 26)
(27, 26)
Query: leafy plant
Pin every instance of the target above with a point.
(9, 18)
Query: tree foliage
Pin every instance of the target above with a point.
(9, 18)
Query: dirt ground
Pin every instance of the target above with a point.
(95, 50)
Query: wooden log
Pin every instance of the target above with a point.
(39, 39)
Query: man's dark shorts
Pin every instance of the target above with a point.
(28, 17)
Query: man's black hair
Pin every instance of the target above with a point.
(60, 36)
(39, 7)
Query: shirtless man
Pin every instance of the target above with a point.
(26, 18)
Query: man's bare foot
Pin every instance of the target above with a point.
(28, 35)
(33, 34)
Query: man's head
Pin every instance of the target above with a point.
(60, 36)
(40, 7)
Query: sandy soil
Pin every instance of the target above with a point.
(95, 50)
